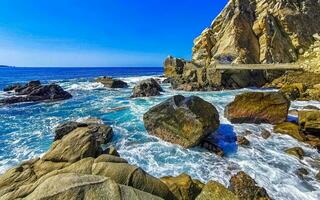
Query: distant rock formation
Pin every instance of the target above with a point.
(34, 91)
(250, 32)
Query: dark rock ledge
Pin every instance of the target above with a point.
(34, 91)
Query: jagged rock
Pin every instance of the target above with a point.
(35, 92)
(243, 141)
(293, 91)
(74, 166)
(309, 122)
(214, 190)
(296, 151)
(146, 88)
(245, 188)
(258, 31)
(65, 128)
(265, 134)
(183, 186)
(111, 82)
(291, 129)
(258, 107)
(181, 120)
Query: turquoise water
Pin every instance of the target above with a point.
(27, 131)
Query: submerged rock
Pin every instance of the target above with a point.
(301, 172)
(214, 190)
(265, 134)
(309, 122)
(181, 120)
(296, 151)
(183, 186)
(35, 92)
(146, 88)
(111, 82)
(75, 167)
(245, 188)
(243, 141)
(258, 107)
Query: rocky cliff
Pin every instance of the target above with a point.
(249, 32)
(259, 31)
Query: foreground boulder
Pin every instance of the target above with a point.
(111, 82)
(181, 120)
(183, 186)
(258, 107)
(86, 187)
(146, 88)
(35, 92)
(245, 188)
(77, 167)
(214, 190)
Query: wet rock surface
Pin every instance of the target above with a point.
(244, 187)
(146, 88)
(258, 107)
(181, 120)
(111, 82)
(35, 92)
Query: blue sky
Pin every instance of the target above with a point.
(101, 32)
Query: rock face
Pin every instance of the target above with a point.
(250, 32)
(181, 120)
(246, 188)
(112, 83)
(146, 88)
(76, 167)
(259, 31)
(35, 92)
(258, 107)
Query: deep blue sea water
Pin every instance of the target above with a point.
(26, 131)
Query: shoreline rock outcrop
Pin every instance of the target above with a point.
(182, 120)
(258, 107)
(146, 88)
(250, 32)
(77, 165)
(111, 82)
(34, 91)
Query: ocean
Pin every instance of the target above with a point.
(26, 131)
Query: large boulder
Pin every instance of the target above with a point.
(182, 120)
(216, 191)
(309, 122)
(258, 107)
(183, 186)
(35, 92)
(111, 82)
(146, 88)
(246, 188)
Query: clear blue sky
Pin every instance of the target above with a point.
(101, 32)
